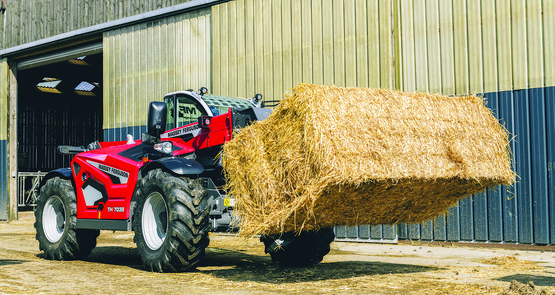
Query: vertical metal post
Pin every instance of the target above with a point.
(12, 142)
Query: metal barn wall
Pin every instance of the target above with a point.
(269, 47)
(3, 139)
(504, 51)
(145, 61)
(501, 50)
(26, 21)
(459, 47)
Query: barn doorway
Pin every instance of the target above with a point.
(59, 103)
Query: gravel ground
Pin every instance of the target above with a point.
(235, 265)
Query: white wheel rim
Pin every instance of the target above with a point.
(53, 219)
(155, 220)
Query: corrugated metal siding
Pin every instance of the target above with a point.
(269, 47)
(503, 49)
(450, 47)
(365, 233)
(523, 213)
(29, 20)
(146, 61)
(459, 46)
(3, 139)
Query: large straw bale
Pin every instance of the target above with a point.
(332, 156)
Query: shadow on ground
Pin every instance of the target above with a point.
(244, 267)
(11, 261)
(237, 266)
(544, 281)
(114, 255)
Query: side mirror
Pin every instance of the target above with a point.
(157, 115)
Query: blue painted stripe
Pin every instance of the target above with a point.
(389, 232)
(522, 159)
(494, 215)
(509, 200)
(427, 231)
(440, 228)
(364, 232)
(402, 231)
(480, 209)
(3, 180)
(376, 232)
(522, 213)
(538, 154)
(550, 137)
(491, 210)
(341, 232)
(118, 134)
(453, 225)
(352, 232)
(465, 219)
(414, 231)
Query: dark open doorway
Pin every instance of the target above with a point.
(58, 104)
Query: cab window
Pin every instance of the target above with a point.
(170, 121)
(188, 110)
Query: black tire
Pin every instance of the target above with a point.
(171, 222)
(55, 219)
(307, 248)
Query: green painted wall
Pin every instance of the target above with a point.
(146, 61)
(464, 46)
(244, 47)
(269, 47)
(449, 47)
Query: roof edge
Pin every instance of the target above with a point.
(111, 25)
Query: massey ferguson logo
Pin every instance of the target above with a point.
(194, 130)
(118, 176)
(113, 171)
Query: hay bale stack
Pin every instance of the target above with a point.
(332, 156)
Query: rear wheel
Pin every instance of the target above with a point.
(171, 222)
(55, 219)
(305, 249)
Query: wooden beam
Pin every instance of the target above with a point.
(12, 142)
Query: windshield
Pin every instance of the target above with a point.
(183, 110)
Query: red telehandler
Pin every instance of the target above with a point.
(166, 187)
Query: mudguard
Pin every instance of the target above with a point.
(175, 165)
(64, 173)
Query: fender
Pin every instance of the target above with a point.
(63, 173)
(175, 165)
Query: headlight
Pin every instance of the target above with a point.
(164, 147)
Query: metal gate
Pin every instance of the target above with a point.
(27, 188)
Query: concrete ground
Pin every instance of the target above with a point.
(235, 265)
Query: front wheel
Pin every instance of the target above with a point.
(171, 222)
(304, 249)
(55, 219)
